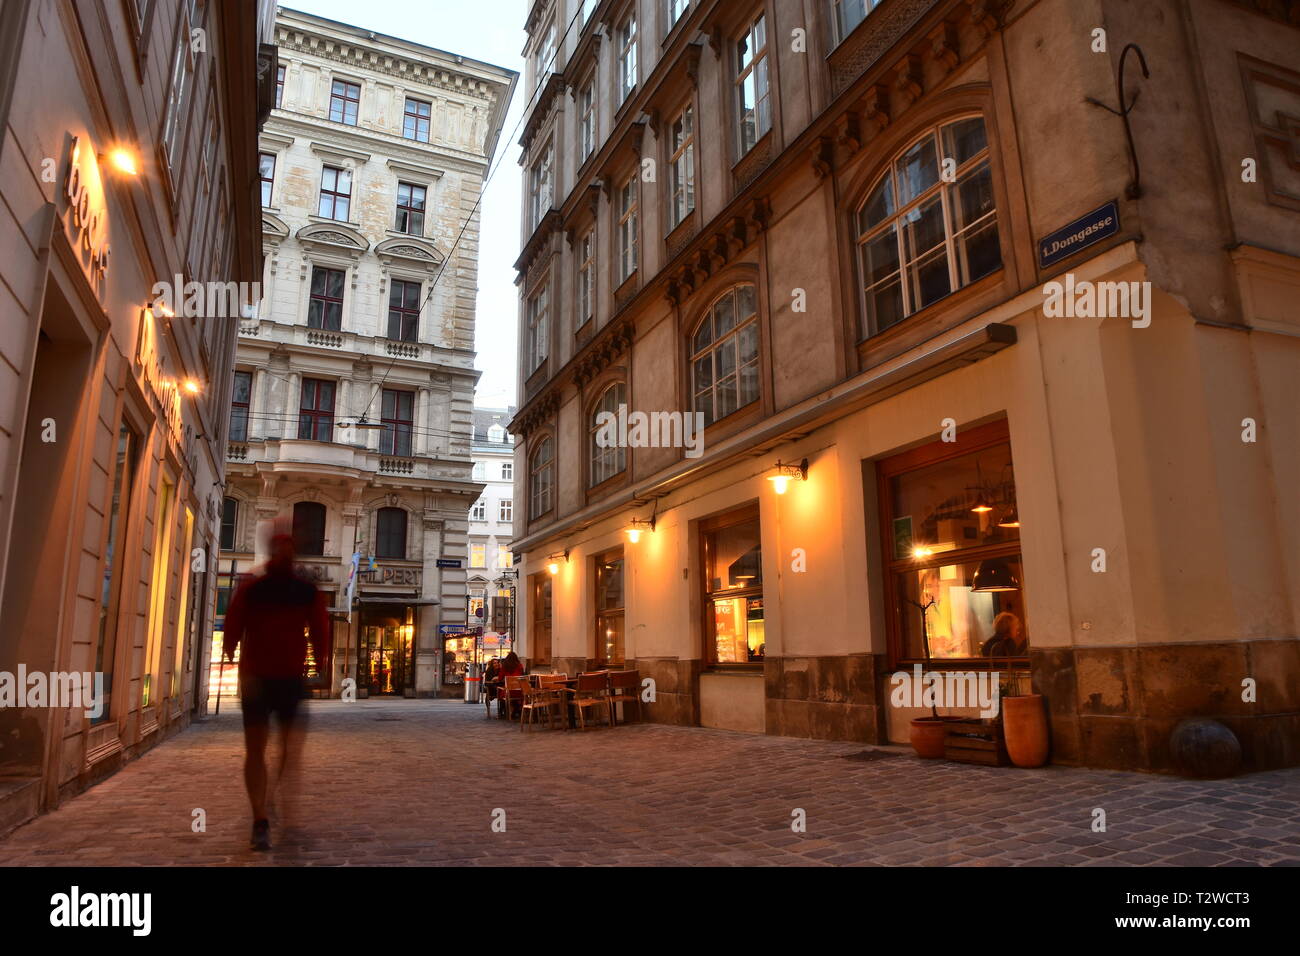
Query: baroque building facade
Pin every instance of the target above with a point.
(354, 380)
(128, 134)
(838, 234)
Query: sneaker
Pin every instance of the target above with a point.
(261, 838)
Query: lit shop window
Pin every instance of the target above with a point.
(609, 607)
(733, 588)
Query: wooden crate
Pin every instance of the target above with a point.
(976, 741)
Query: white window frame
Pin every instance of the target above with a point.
(586, 284)
(537, 326)
(759, 66)
(505, 510)
(628, 207)
(587, 113)
(479, 511)
(178, 93)
(627, 59)
(541, 186)
(681, 167)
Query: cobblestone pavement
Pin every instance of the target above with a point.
(417, 782)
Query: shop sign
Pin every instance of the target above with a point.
(87, 210)
(1095, 226)
(392, 576)
(151, 365)
(316, 573)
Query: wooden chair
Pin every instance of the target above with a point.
(511, 694)
(624, 688)
(543, 697)
(590, 692)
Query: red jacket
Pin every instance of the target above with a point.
(271, 616)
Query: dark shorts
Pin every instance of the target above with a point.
(260, 697)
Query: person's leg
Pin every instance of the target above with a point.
(257, 716)
(293, 735)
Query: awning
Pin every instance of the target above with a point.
(398, 599)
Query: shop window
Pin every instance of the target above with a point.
(390, 533)
(605, 461)
(478, 555)
(921, 236)
(724, 355)
(309, 528)
(956, 583)
(161, 557)
(733, 588)
(609, 607)
(128, 445)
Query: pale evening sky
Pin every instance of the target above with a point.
(491, 31)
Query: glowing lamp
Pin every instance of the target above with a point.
(638, 526)
(191, 386)
(786, 473)
(123, 161)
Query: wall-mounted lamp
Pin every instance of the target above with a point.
(123, 160)
(192, 386)
(786, 473)
(552, 562)
(639, 525)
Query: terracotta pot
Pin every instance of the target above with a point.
(927, 736)
(1024, 727)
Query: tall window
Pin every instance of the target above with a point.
(539, 637)
(266, 172)
(586, 289)
(753, 100)
(609, 607)
(627, 228)
(541, 479)
(605, 462)
(128, 444)
(229, 520)
(724, 355)
(398, 418)
(951, 528)
(479, 471)
(410, 209)
(390, 533)
(627, 75)
(279, 85)
(538, 328)
(507, 471)
(415, 120)
(309, 528)
(505, 510)
(919, 237)
(335, 193)
(479, 511)
(540, 186)
(546, 50)
(586, 121)
(733, 588)
(345, 98)
(847, 14)
(681, 167)
(676, 9)
(240, 402)
(164, 523)
(478, 558)
(325, 305)
(177, 112)
(404, 311)
(588, 8)
(316, 410)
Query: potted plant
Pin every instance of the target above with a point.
(928, 734)
(1024, 723)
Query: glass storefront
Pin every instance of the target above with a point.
(733, 588)
(386, 650)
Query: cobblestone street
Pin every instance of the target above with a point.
(416, 782)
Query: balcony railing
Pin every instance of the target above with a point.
(330, 340)
(291, 450)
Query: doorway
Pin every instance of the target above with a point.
(386, 651)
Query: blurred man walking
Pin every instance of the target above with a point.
(271, 615)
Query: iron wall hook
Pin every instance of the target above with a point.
(1135, 187)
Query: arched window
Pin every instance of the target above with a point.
(390, 533)
(608, 456)
(541, 479)
(923, 234)
(309, 527)
(724, 355)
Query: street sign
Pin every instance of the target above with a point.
(448, 562)
(1083, 232)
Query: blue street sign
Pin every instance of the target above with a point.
(1083, 232)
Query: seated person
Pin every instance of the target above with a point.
(491, 679)
(1006, 640)
(510, 667)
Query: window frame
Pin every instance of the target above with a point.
(941, 188)
(314, 508)
(231, 503)
(268, 183)
(537, 326)
(708, 527)
(838, 32)
(478, 510)
(541, 185)
(412, 120)
(546, 496)
(281, 72)
(505, 510)
(740, 72)
(596, 456)
(335, 194)
(715, 342)
(384, 537)
(585, 286)
(396, 428)
(245, 406)
(345, 100)
(608, 614)
(679, 212)
(317, 416)
(324, 298)
(407, 317)
(588, 117)
(410, 210)
(629, 229)
(626, 59)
